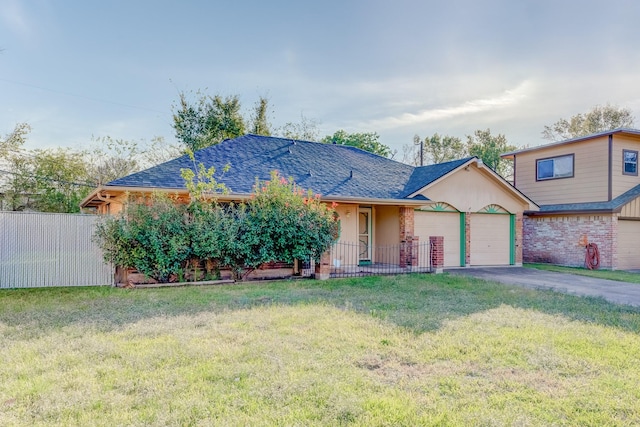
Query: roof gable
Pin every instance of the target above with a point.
(469, 185)
(425, 175)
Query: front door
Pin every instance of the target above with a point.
(364, 235)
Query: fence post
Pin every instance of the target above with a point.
(437, 253)
(415, 253)
(323, 268)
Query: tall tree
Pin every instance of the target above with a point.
(488, 148)
(207, 121)
(14, 168)
(260, 118)
(14, 140)
(159, 151)
(112, 159)
(598, 119)
(61, 178)
(433, 149)
(443, 148)
(412, 154)
(51, 180)
(304, 130)
(18, 186)
(367, 141)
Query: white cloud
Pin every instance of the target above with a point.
(508, 98)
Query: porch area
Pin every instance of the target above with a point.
(351, 259)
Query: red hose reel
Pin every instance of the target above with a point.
(592, 257)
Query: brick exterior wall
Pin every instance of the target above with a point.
(562, 239)
(437, 253)
(519, 237)
(408, 242)
(406, 223)
(323, 268)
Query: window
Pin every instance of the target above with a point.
(630, 162)
(555, 167)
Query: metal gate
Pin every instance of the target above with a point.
(403, 258)
(45, 250)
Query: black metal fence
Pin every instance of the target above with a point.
(348, 259)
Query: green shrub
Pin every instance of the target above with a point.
(149, 235)
(280, 222)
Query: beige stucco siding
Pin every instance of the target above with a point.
(473, 189)
(386, 234)
(346, 253)
(590, 180)
(386, 229)
(348, 215)
(621, 182)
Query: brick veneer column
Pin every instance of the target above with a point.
(406, 237)
(519, 238)
(437, 253)
(406, 223)
(323, 268)
(415, 251)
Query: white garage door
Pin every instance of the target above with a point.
(628, 244)
(490, 239)
(446, 224)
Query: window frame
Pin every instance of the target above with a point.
(573, 167)
(624, 162)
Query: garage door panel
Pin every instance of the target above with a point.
(446, 224)
(628, 244)
(490, 242)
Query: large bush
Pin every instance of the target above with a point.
(283, 222)
(150, 235)
(159, 237)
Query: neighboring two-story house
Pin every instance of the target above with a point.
(588, 190)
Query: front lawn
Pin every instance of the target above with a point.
(405, 350)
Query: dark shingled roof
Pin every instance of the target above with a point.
(612, 206)
(327, 169)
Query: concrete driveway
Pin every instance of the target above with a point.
(610, 290)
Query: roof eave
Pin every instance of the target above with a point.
(243, 196)
(511, 154)
(571, 212)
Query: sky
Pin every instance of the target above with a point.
(79, 70)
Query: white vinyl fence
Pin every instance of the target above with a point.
(44, 250)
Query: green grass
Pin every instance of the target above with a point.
(405, 350)
(618, 275)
